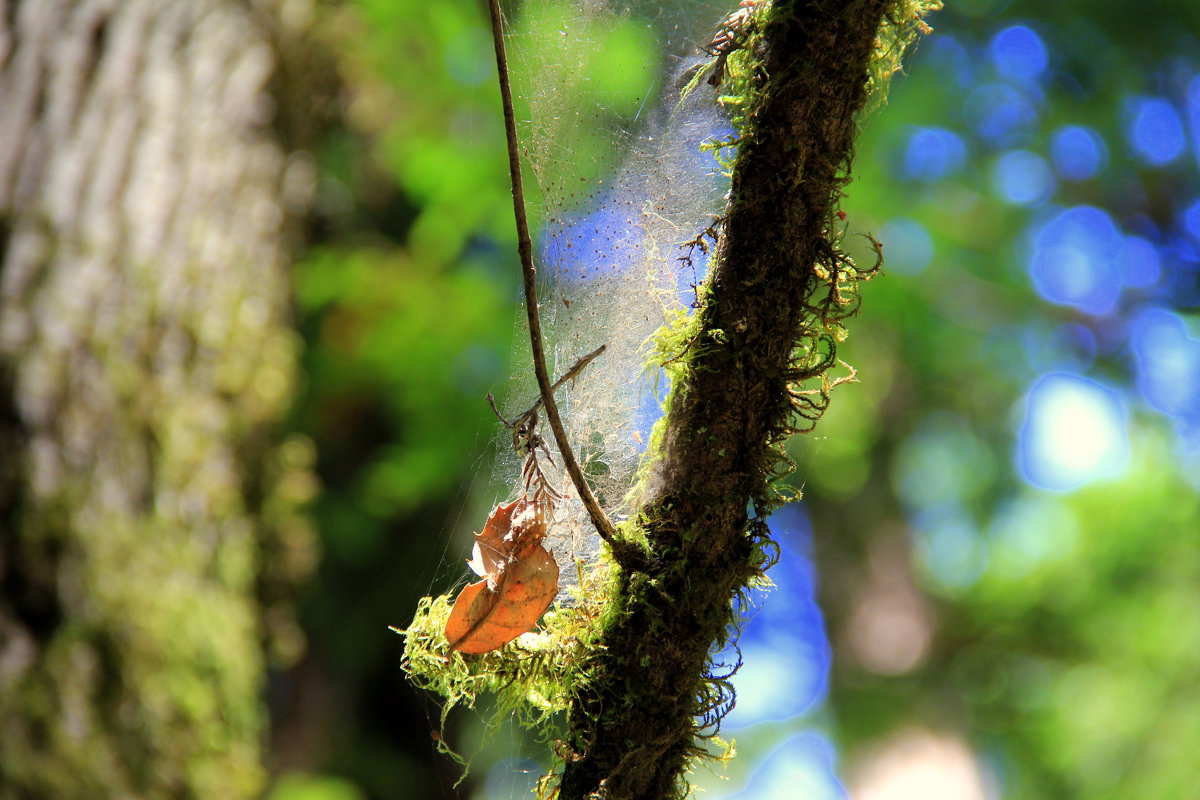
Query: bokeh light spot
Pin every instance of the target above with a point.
(1022, 178)
(942, 463)
(1193, 115)
(1074, 260)
(1003, 116)
(1168, 363)
(1074, 432)
(1189, 218)
(1028, 532)
(802, 766)
(1078, 152)
(1019, 53)
(1140, 265)
(948, 54)
(908, 248)
(1154, 130)
(948, 548)
(915, 764)
(1181, 270)
(784, 650)
(933, 154)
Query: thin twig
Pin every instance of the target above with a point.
(524, 426)
(604, 526)
(570, 374)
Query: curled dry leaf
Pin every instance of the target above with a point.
(520, 580)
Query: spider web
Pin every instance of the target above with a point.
(617, 182)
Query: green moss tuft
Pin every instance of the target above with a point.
(902, 25)
(534, 678)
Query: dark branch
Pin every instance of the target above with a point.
(634, 727)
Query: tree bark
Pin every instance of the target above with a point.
(146, 504)
(634, 728)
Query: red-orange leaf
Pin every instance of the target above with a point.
(491, 550)
(520, 580)
(484, 618)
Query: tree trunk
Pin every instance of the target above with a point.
(146, 507)
(730, 408)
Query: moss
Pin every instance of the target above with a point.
(533, 678)
(903, 23)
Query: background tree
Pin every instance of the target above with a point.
(148, 500)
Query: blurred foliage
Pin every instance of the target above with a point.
(406, 303)
(1063, 628)
(298, 786)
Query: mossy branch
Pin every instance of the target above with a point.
(771, 311)
(628, 658)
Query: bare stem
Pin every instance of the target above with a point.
(525, 250)
(570, 374)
